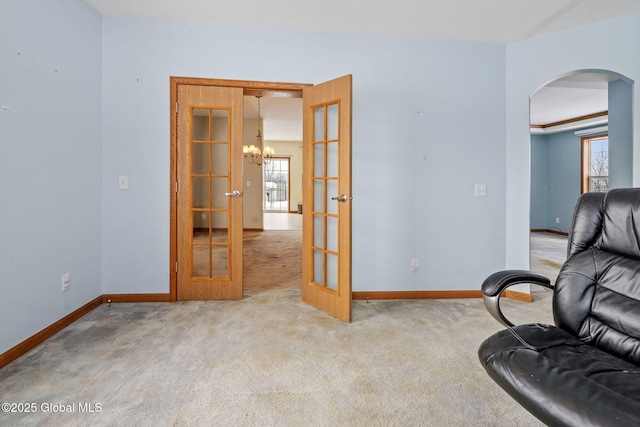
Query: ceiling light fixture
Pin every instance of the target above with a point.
(256, 154)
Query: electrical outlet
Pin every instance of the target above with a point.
(66, 282)
(123, 182)
(557, 220)
(415, 265)
(480, 190)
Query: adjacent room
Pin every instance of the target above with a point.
(266, 213)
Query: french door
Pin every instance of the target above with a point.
(207, 228)
(326, 281)
(209, 198)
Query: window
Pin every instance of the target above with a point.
(276, 185)
(595, 163)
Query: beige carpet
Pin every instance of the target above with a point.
(548, 253)
(269, 360)
(272, 260)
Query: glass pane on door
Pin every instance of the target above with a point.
(200, 226)
(201, 121)
(209, 183)
(200, 267)
(220, 159)
(200, 158)
(220, 261)
(325, 193)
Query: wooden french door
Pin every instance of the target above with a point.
(209, 198)
(326, 281)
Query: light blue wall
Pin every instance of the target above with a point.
(538, 181)
(555, 179)
(561, 168)
(413, 178)
(610, 45)
(563, 179)
(50, 162)
(620, 134)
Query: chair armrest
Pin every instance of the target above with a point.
(497, 283)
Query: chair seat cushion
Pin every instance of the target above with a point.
(562, 380)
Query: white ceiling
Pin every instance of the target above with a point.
(282, 117)
(485, 21)
(573, 96)
(576, 95)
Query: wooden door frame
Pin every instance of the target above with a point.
(250, 88)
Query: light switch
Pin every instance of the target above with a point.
(123, 182)
(248, 183)
(481, 190)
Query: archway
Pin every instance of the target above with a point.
(564, 112)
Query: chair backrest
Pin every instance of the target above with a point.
(597, 294)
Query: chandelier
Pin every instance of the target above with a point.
(255, 154)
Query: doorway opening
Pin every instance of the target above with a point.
(252, 89)
(273, 230)
(326, 242)
(567, 113)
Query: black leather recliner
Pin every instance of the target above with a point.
(585, 370)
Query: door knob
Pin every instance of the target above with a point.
(234, 193)
(342, 198)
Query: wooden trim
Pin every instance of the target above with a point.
(375, 295)
(250, 87)
(202, 229)
(519, 296)
(272, 93)
(173, 187)
(118, 298)
(394, 295)
(31, 342)
(575, 119)
(40, 337)
(253, 229)
(37, 339)
(585, 157)
(547, 230)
